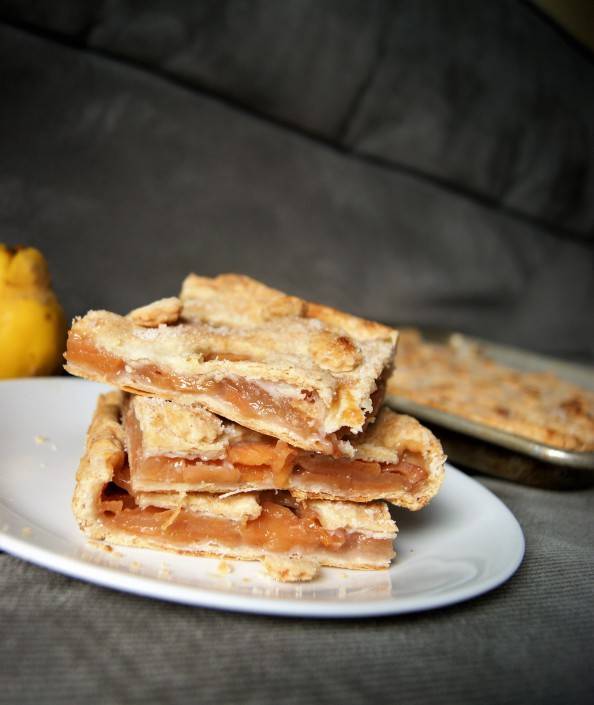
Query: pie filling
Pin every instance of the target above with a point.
(277, 465)
(377, 399)
(283, 526)
(299, 411)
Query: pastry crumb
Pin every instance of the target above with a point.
(101, 546)
(224, 568)
(26, 531)
(135, 567)
(290, 569)
(40, 440)
(164, 571)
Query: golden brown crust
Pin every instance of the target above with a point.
(359, 328)
(323, 363)
(104, 455)
(235, 300)
(460, 379)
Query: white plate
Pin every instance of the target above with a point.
(465, 543)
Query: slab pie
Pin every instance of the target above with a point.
(460, 378)
(305, 373)
(173, 446)
(292, 536)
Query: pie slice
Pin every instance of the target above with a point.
(292, 536)
(291, 369)
(188, 449)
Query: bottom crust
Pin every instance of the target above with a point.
(121, 538)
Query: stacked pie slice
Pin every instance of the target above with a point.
(247, 424)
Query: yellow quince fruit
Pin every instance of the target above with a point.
(32, 323)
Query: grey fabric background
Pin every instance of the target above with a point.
(129, 182)
(419, 162)
(465, 94)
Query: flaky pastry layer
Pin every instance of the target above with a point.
(175, 430)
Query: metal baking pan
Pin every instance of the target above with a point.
(477, 446)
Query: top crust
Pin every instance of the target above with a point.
(237, 300)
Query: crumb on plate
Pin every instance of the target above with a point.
(224, 568)
(288, 569)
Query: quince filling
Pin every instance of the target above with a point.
(275, 464)
(283, 526)
(298, 411)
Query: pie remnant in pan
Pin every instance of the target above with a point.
(288, 368)
(271, 526)
(187, 449)
(460, 378)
